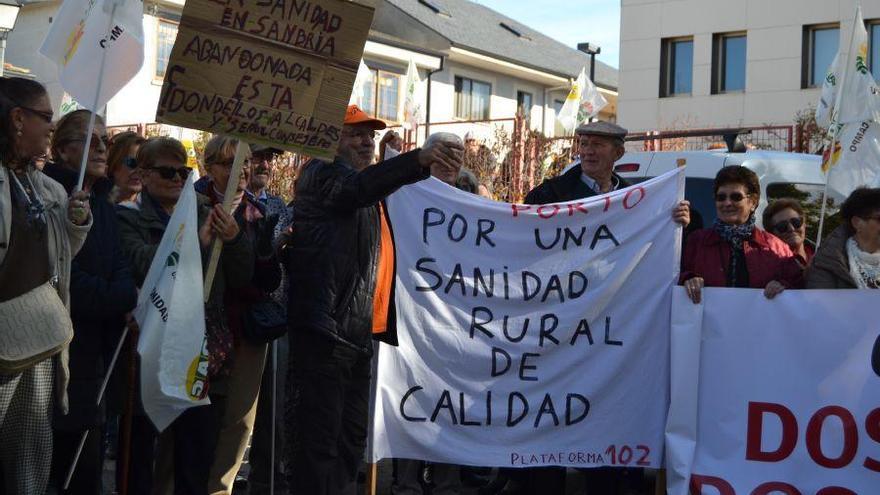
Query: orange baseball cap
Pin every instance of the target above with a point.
(356, 116)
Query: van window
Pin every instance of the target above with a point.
(810, 196)
(700, 193)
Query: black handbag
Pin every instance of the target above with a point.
(265, 321)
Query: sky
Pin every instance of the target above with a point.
(569, 21)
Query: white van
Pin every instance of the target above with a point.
(781, 175)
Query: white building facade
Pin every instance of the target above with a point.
(730, 63)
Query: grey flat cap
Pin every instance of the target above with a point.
(257, 148)
(600, 128)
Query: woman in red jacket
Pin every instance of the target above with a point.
(734, 252)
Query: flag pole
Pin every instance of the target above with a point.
(85, 434)
(91, 127)
(834, 114)
(228, 195)
(274, 392)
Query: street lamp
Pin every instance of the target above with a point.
(592, 50)
(8, 14)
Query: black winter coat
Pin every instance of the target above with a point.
(331, 260)
(566, 187)
(102, 290)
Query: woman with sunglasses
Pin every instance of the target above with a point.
(785, 219)
(849, 258)
(40, 231)
(244, 370)
(734, 252)
(102, 294)
(122, 169)
(185, 450)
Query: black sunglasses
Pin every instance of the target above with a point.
(782, 227)
(47, 116)
(735, 197)
(168, 173)
(130, 162)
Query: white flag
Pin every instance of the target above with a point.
(170, 312)
(84, 32)
(412, 107)
(829, 93)
(860, 98)
(858, 158)
(362, 82)
(583, 101)
(68, 105)
(850, 107)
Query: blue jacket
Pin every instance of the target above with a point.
(102, 290)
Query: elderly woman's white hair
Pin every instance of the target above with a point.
(443, 137)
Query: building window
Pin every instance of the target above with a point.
(165, 36)
(874, 47)
(382, 98)
(820, 48)
(524, 104)
(676, 66)
(729, 63)
(472, 99)
(388, 89)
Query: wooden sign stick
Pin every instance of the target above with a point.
(231, 186)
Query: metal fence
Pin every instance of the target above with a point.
(510, 158)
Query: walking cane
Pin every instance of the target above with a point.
(128, 416)
(272, 444)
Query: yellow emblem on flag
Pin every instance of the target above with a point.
(830, 159)
(197, 375)
(73, 41)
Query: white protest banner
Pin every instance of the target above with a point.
(96, 44)
(172, 346)
(529, 335)
(788, 401)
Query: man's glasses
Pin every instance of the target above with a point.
(46, 116)
(783, 226)
(735, 197)
(168, 173)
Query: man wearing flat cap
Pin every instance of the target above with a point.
(600, 144)
(340, 262)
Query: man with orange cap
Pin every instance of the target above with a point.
(340, 261)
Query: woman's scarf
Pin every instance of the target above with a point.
(735, 236)
(864, 267)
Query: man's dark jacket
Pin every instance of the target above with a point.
(332, 256)
(566, 187)
(102, 290)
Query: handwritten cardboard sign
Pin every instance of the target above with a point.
(273, 72)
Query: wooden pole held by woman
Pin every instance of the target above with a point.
(229, 195)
